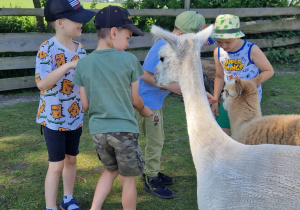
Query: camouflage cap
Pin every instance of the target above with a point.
(227, 27)
(190, 22)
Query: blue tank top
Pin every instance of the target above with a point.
(239, 64)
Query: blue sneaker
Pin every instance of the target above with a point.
(155, 186)
(164, 178)
(65, 206)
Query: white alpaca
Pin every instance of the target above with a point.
(230, 175)
(247, 124)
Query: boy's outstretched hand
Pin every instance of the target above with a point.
(210, 97)
(73, 64)
(214, 105)
(146, 112)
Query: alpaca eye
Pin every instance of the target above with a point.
(226, 92)
(161, 59)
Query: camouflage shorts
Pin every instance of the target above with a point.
(120, 151)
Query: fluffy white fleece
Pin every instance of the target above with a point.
(230, 175)
(248, 126)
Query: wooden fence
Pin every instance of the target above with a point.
(30, 42)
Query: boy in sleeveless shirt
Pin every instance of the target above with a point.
(238, 58)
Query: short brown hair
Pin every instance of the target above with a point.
(103, 32)
(52, 24)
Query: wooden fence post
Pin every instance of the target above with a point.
(187, 4)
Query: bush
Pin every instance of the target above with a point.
(15, 24)
(168, 22)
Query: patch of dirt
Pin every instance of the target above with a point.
(9, 100)
(19, 166)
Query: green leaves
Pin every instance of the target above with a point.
(282, 56)
(15, 24)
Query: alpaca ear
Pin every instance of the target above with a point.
(205, 33)
(238, 86)
(160, 33)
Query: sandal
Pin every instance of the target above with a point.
(65, 206)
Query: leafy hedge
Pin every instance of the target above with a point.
(15, 24)
(167, 22)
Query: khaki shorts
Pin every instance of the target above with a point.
(120, 151)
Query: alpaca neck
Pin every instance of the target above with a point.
(252, 105)
(202, 127)
(244, 111)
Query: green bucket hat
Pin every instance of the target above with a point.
(190, 22)
(227, 27)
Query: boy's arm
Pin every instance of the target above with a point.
(218, 83)
(54, 76)
(262, 62)
(210, 97)
(83, 98)
(149, 78)
(138, 102)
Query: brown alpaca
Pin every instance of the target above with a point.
(248, 126)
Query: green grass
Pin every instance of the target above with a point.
(16, 3)
(29, 4)
(23, 157)
(87, 5)
(281, 92)
(23, 153)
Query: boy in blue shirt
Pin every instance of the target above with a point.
(153, 96)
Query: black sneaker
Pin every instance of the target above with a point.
(156, 187)
(164, 178)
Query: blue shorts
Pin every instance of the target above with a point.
(60, 143)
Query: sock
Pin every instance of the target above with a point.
(54, 208)
(68, 198)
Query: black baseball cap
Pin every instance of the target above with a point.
(114, 16)
(70, 9)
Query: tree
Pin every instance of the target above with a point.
(39, 20)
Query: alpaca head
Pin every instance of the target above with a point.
(238, 89)
(178, 53)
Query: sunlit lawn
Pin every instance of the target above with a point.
(23, 154)
(29, 4)
(23, 158)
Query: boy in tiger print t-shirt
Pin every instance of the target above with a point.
(59, 107)
(60, 112)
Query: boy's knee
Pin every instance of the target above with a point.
(127, 179)
(56, 167)
(112, 173)
(71, 160)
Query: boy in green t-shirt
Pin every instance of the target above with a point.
(108, 80)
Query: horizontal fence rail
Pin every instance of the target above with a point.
(207, 13)
(139, 46)
(26, 42)
(25, 62)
